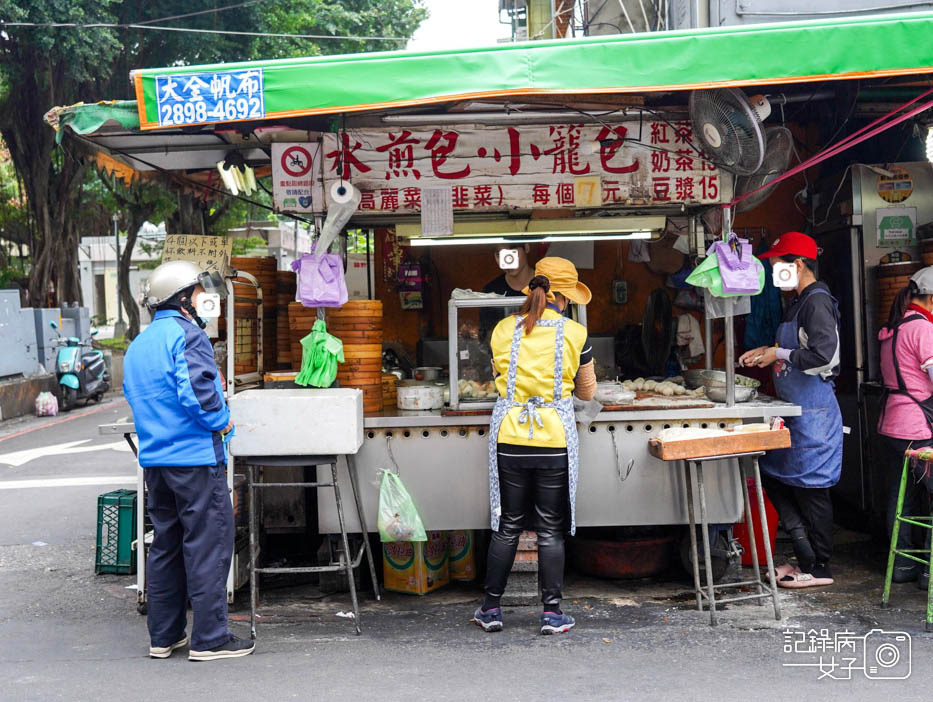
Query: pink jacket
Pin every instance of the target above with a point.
(902, 418)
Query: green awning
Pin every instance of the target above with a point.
(882, 45)
(85, 118)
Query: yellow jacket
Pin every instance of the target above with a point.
(535, 376)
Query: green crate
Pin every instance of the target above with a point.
(116, 526)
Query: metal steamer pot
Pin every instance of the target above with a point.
(418, 395)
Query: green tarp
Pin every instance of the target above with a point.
(882, 45)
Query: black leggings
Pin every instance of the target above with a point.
(545, 491)
(807, 515)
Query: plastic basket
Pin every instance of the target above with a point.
(116, 525)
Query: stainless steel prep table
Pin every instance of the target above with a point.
(443, 459)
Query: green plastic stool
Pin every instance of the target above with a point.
(923, 455)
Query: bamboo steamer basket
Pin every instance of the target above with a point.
(363, 352)
(891, 279)
(358, 337)
(926, 252)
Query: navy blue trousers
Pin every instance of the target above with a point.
(189, 558)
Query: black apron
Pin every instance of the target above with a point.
(926, 406)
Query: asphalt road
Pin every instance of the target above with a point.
(66, 634)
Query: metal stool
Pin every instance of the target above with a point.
(764, 590)
(924, 455)
(347, 565)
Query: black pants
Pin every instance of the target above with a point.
(916, 500)
(807, 515)
(192, 518)
(543, 491)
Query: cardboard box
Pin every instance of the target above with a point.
(416, 567)
(461, 552)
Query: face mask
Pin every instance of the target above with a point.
(784, 275)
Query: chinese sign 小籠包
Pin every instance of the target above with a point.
(201, 98)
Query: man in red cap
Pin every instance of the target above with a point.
(805, 360)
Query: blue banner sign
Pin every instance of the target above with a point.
(221, 96)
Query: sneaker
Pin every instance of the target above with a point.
(166, 651)
(234, 648)
(552, 623)
(490, 620)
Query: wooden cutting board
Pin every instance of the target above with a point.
(651, 401)
(719, 445)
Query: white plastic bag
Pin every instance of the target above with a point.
(46, 405)
(398, 517)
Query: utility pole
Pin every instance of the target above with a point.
(119, 328)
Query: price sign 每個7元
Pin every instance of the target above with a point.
(220, 96)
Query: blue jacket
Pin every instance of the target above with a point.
(171, 381)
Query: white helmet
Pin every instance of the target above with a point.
(923, 280)
(172, 277)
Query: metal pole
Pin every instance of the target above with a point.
(728, 321)
(119, 328)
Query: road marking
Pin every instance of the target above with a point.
(19, 458)
(67, 482)
(85, 413)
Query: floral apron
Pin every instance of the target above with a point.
(531, 415)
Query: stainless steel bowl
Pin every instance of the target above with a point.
(693, 379)
(717, 392)
(718, 377)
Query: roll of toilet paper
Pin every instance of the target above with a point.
(342, 201)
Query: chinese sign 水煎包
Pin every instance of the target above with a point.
(200, 98)
(526, 167)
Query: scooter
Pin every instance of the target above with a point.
(80, 370)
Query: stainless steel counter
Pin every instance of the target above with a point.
(443, 462)
(763, 407)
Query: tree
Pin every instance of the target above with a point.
(41, 67)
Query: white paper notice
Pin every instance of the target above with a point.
(437, 211)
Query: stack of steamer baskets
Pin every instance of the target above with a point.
(892, 277)
(263, 269)
(300, 323)
(286, 283)
(358, 324)
(926, 251)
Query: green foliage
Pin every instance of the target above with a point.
(243, 246)
(356, 241)
(116, 344)
(41, 67)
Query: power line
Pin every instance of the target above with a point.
(107, 25)
(202, 12)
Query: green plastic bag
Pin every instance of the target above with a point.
(398, 517)
(320, 353)
(707, 275)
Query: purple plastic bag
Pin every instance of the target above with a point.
(321, 281)
(737, 267)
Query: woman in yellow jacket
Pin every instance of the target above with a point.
(540, 358)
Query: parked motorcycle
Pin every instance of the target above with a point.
(80, 370)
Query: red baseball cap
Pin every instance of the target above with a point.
(792, 244)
